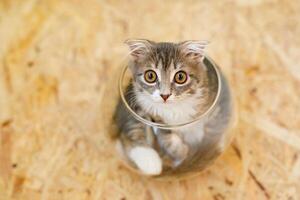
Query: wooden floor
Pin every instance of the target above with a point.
(59, 62)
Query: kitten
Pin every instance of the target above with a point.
(171, 85)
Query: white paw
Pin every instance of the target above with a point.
(147, 160)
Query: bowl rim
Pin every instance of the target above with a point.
(172, 126)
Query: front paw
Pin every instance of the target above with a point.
(146, 159)
(176, 149)
(180, 155)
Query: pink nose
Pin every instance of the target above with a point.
(165, 96)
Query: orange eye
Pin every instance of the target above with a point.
(180, 77)
(150, 76)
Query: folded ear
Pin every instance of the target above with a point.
(193, 49)
(139, 47)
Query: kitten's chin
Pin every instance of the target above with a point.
(162, 102)
(172, 111)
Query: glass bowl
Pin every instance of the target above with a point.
(205, 136)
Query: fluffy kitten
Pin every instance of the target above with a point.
(171, 85)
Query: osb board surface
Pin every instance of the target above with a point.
(58, 76)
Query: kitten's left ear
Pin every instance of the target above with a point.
(139, 47)
(193, 49)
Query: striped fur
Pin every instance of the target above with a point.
(177, 147)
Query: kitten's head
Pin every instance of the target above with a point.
(167, 75)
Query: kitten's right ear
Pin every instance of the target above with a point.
(193, 49)
(139, 47)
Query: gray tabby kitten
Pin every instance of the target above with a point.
(172, 83)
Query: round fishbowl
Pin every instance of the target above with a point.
(151, 144)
